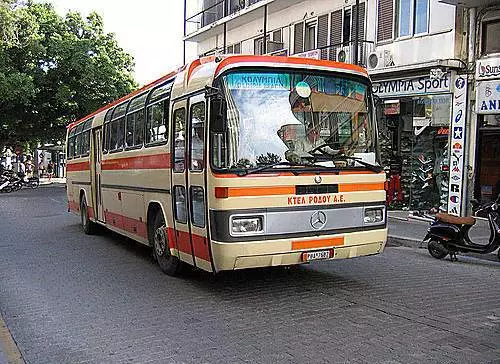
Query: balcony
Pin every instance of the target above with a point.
(212, 12)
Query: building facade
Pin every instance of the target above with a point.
(418, 56)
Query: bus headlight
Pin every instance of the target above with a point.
(247, 224)
(374, 215)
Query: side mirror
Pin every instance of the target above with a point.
(218, 109)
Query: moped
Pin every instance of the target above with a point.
(449, 234)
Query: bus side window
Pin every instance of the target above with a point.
(197, 145)
(197, 206)
(180, 139)
(117, 134)
(156, 127)
(139, 128)
(106, 138)
(180, 204)
(129, 132)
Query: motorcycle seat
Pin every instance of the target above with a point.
(452, 219)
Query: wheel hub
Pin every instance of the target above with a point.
(160, 241)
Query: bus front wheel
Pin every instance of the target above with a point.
(168, 263)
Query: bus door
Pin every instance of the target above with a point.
(196, 185)
(97, 159)
(179, 183)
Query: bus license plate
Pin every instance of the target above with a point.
(318, 255)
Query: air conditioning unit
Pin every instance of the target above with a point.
(344, 54)
(380, 59)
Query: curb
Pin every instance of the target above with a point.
(9, 352)
(395, 241)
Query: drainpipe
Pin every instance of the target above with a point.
(264, 48)
(225, 38)
(356, 33)
(472, 35)
(184, 41)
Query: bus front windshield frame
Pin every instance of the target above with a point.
(292, 120)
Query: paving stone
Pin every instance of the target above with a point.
(71, 298)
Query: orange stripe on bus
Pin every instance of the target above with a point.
(317, 243)
(357, 187)
(157, 161)
(260, 191)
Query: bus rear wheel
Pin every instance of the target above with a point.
(87, 225)
(161, 251)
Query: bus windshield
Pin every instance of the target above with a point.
(294, 119)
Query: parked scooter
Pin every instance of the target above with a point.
(449, 234)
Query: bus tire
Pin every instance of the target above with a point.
(87, 225)
(169, 264)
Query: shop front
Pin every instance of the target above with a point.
(415, 126)
(487, 180)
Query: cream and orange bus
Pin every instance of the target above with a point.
(236, 162)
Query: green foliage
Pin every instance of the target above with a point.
(54, 70)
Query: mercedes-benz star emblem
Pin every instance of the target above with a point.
(317, 179)
(318, 220)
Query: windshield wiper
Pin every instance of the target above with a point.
(372, 167)
(282, 163)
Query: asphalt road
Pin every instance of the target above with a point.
(71, 298)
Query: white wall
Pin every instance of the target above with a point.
(439, 43)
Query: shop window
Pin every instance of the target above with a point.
(490, 41)
(414, 141)
(412, 17)
(197, 145)
(197, 206)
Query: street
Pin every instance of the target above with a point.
(70, 298)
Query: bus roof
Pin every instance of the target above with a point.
(218, 64)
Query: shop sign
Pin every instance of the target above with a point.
(315, 53)
(488, 97)
(488, 68)
(457, 130)
(412, 86)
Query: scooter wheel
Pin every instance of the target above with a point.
(436, 249)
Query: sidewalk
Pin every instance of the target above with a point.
(54, 181)
(404, 231)
(9, 352)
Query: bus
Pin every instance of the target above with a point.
(235, 162)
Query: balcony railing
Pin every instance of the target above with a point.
(215, 12)
(341, 52)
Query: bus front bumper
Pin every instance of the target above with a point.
(269, 253)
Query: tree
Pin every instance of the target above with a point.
(54, 70)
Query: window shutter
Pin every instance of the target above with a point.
(361, 25)
(298, 39)
(385, 20)
(277, 36)
(335, 33)
(237, 48)
(323, 35)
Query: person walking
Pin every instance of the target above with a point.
(50, 170)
